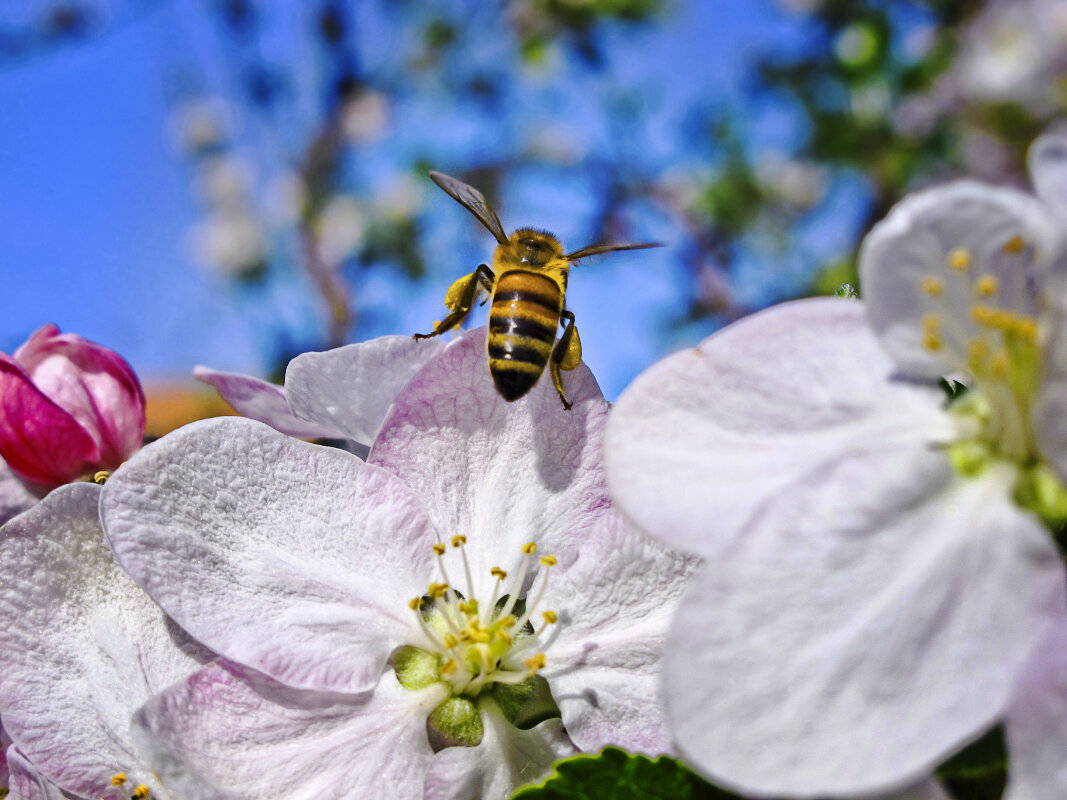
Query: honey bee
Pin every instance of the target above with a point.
(527, 284)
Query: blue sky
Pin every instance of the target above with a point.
(96, 205)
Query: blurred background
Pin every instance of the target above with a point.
(233, 182)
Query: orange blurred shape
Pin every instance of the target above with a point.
(172, 404)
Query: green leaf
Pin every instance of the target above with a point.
(615, 774)
(986, 756)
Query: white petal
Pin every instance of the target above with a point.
(870, 623)
(916, 241)
(701, 439)
(26, 783)
(1037, 724)
(14, 496)
(291, 558)
(259, 400)
(83, 647)
(351, 388)
(500, 473)
(1048, 170)
(226, 732)
(505, 759)
(615, 604)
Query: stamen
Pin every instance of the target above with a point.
(439, 549)
(118, 779)
(1014, 245)
(959, 260)
(986, 286)
(535, 663)
(932, 286)
(141, 792)
(550, 617)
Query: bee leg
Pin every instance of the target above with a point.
(566, 355)
(460, 299)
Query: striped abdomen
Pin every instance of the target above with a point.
(522, 328)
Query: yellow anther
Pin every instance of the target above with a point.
(437, 590)
(101, 477)
(504, 637)
(439, 549)
(415, 603)
(932, 286)
(1026, 328)
(118, 779)
(507, 622)
(999, 365)
(959, 259)
(459, 540)
(498, 573)
(465, 635)
(529, 548)
(986, 286)
(535, 663)
(448, 667)
(1014, 245)
(480, 636)
(551, 617)
(141, 792)
(977, 351)
(932, 342)
(468, 607)
(450, 641)
(548, 561)
(931, 323)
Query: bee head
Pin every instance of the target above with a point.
(534, 248)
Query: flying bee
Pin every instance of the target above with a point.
(527, 284)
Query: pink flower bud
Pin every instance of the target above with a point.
(68, 408)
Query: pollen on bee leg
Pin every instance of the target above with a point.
(959, 259)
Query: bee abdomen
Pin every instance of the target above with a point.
(522, 329)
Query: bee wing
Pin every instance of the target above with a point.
(472, 200)
(597, 249)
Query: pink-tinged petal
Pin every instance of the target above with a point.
(1037, 724)
(26, 783)
(502, 474)
(93, 384)
(259, 400)
(350, 389)
(919, 239)
(82, 646)
(505, 759)
(861, 631)
(615, 604)
(226, 732)
(700, 440)
(15, 497)
(291, 558)
(40, 441)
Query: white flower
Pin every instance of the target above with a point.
(385, 625)
(82, 649)
(880, 578)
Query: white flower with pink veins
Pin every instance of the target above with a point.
(443, 620)
(882, 586)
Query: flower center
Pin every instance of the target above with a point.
(481, 643)
(486, 651)
(981, 322)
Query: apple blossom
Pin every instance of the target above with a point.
(68, 408)
(882, 574)
(443, 620)
(82, 649)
